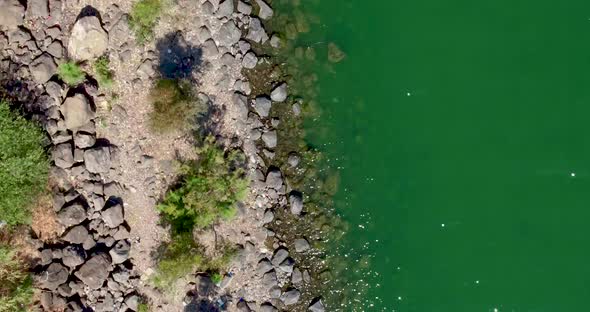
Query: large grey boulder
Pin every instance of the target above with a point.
(113, 216)
(256, 32)
(11, 13)
(229, 34)
(266, 11)
(296, 202)
(98, 159)
(279, 94)
(55, 275)
(72, 215)
(73, 256)
(270, 138)
(291, 297)
(76, 235)
(262, 106)
(63, 155)
(95, 271)
(77, 111)
(42, 68)
(88, 40)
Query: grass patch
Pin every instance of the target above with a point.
(144, 16)
(16, 284)
(104, 74)
(209, 190)
(174, 106)
(23, 165)
(143, 307)
(183, 256)
(71, 73)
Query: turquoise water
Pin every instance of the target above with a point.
(462, 133)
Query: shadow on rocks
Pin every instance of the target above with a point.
(177, 57)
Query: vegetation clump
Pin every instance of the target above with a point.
(16, 284)
(23, 165)
(103, 73)
(71, 73)
(174, 106)
(144, 16)
(209, 190)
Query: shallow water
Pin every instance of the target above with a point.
(461, 129)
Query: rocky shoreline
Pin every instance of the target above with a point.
(108, 179)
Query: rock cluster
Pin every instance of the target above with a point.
(88, 268)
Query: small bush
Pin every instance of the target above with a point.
(103, 73)
(209, 190)
(143, 307)
(16, 284)
(216, 278)
(144, 16)
(71, 73)
(174, 106)
(23, 165)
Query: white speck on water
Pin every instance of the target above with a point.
(495, 309)
(361, 226)
(477, 282)
(573, 174)
(442, 225)
(409, 94)
(399, 298)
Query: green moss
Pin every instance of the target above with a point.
(104, 75)
(144, 16)
(216, 278)
(143, 307)
(16, 284)
(71, 73)
(209, 190)
(23, 165)
(174, 106)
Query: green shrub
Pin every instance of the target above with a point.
(143, 307)
(23, 165)
(216, 278)
(182, 257)
(144, 16)
(103, 73)
(174, 106)
(71, 73)
(209, 190)
(16, 284)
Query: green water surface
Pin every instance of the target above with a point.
(463, 132)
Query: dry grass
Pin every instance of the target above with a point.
(44, 220)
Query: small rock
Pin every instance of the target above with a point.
(296, 202)
(264, 266)
(95, 271)
(76, 235)
(226, 8)
(291, 297)
(279, 256)
(296, 277)
(227, 59)
(208, 8)
(274, 179)
(55, 275)
(269, 280)
(244, 46)
(146, 69)
(88, 40)
(268, 217)
(73, 256)
(316, 306)
(244, 8)
(287, 265)
(120, 252)
(11, 13)
(256, 32)
(113, 216)
(37, 9)
(72, 215)
(262, 106)
(132, 302)
(266, 11)
(229, 33)
(267, 307)
(98, 159)
(293, 159)
(210, 48)
(83, 140)
(250, 60)
(77, 111)
(301, 245)
(63, 156)
(56, 49)
(296, 109)
(275, 41)
(241, 104)
(204, 34)
(279, 94)
(270, 138)
(42, 68)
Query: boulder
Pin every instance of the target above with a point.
(113, 216)
(256, 32)
(267, 307)
(291, 297)
(72, 215)
(270, 138)
(98, 159)
(279, 256)
(296, 202)
(210, 48)
(37, 9)
(226, 8)
(275, 41)
(301, 245)
(77, 235)
(287, 265)
(56, 49)
(229, 33)
(293, 159)
(73, 256)
(264, 266)
(317, 306)
(11, 13)
(63, 155)
(244, 8)
(42, 68)
(95, 271)
(88, 39)
(132, 302)
(269, 280)
(250, 60)
(241, 104)
(296, 277)
(84, 140)
(204, 34)
(55, 275)
(266, 11)
(262, 106)
(274, 179)
(279, 94)
(120, 252)
(77, 111)
(268, 217)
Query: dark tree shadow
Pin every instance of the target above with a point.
(177, 57)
